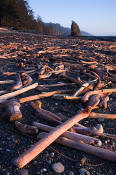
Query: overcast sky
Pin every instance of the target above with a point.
(97, 17)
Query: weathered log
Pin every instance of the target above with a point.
(96, 131)
(38, 147)
(103, 91)
(12, 110)
(16, 93)
(26, 129)
(7, 82)
(76, 81)
(56, 85)
(43, 95)
(96, 151)
(70, 135)
(47, 115)
(3, 92)
(99, 115)
(27, 80)
(18, 84)
(79, 91)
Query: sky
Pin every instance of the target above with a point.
(97, 17)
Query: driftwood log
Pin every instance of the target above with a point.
(99, 115)
(26, 129)
(43, 95)
(103, 91)
(47, 115)
(70, 135)
(12, 110)
(4, 97)
(96, 151)
(18, 84)
(38, 147)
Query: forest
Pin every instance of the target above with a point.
(18, 15)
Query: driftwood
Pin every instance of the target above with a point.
(79, 91)
(12, 110)
(76, 81)
(37, 148)
(70, 135)
(27, 80)
(47, 115)
(99, 115)
(26, 129)
(103, 91)
(3, 92)
(56, 85)
(18, 84)
(7, 82)
(96, 131)
(16, 93)
(98, 152)
(43, 95)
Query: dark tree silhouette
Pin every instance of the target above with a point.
(75, 30)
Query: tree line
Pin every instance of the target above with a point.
(18, 15)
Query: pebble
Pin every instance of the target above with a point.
(23, 172)
(58, 167)
(4, 172)
(8, 150)
(71, 173)
(35, 162)
(44, 169)
(83, 171)
(99, 143)
(52, 154)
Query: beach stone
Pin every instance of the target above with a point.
(71, 173)
(99, 143)
(83, 171)
(23, 172)
(58, 167)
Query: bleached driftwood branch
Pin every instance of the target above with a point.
(16, 93)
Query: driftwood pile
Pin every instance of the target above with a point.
(84, 72)
(87, 88)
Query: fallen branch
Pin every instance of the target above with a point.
(103, 91)
(26, 129)
(56, 85)
(27, 80)
(12, 110)
(78, 82)
(47, 115)
(16, 93)
(96, 131)
(18, 84)
(70, 135)
(7, 82)
(98, 152)
(43, 95)
(37, 148)
(99, 115)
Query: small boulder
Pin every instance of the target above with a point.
(58, 167)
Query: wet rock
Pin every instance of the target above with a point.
(99, 143)
(52, 154)
(83, 171)
(58, 167)
(23, 172)
(71, 173)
